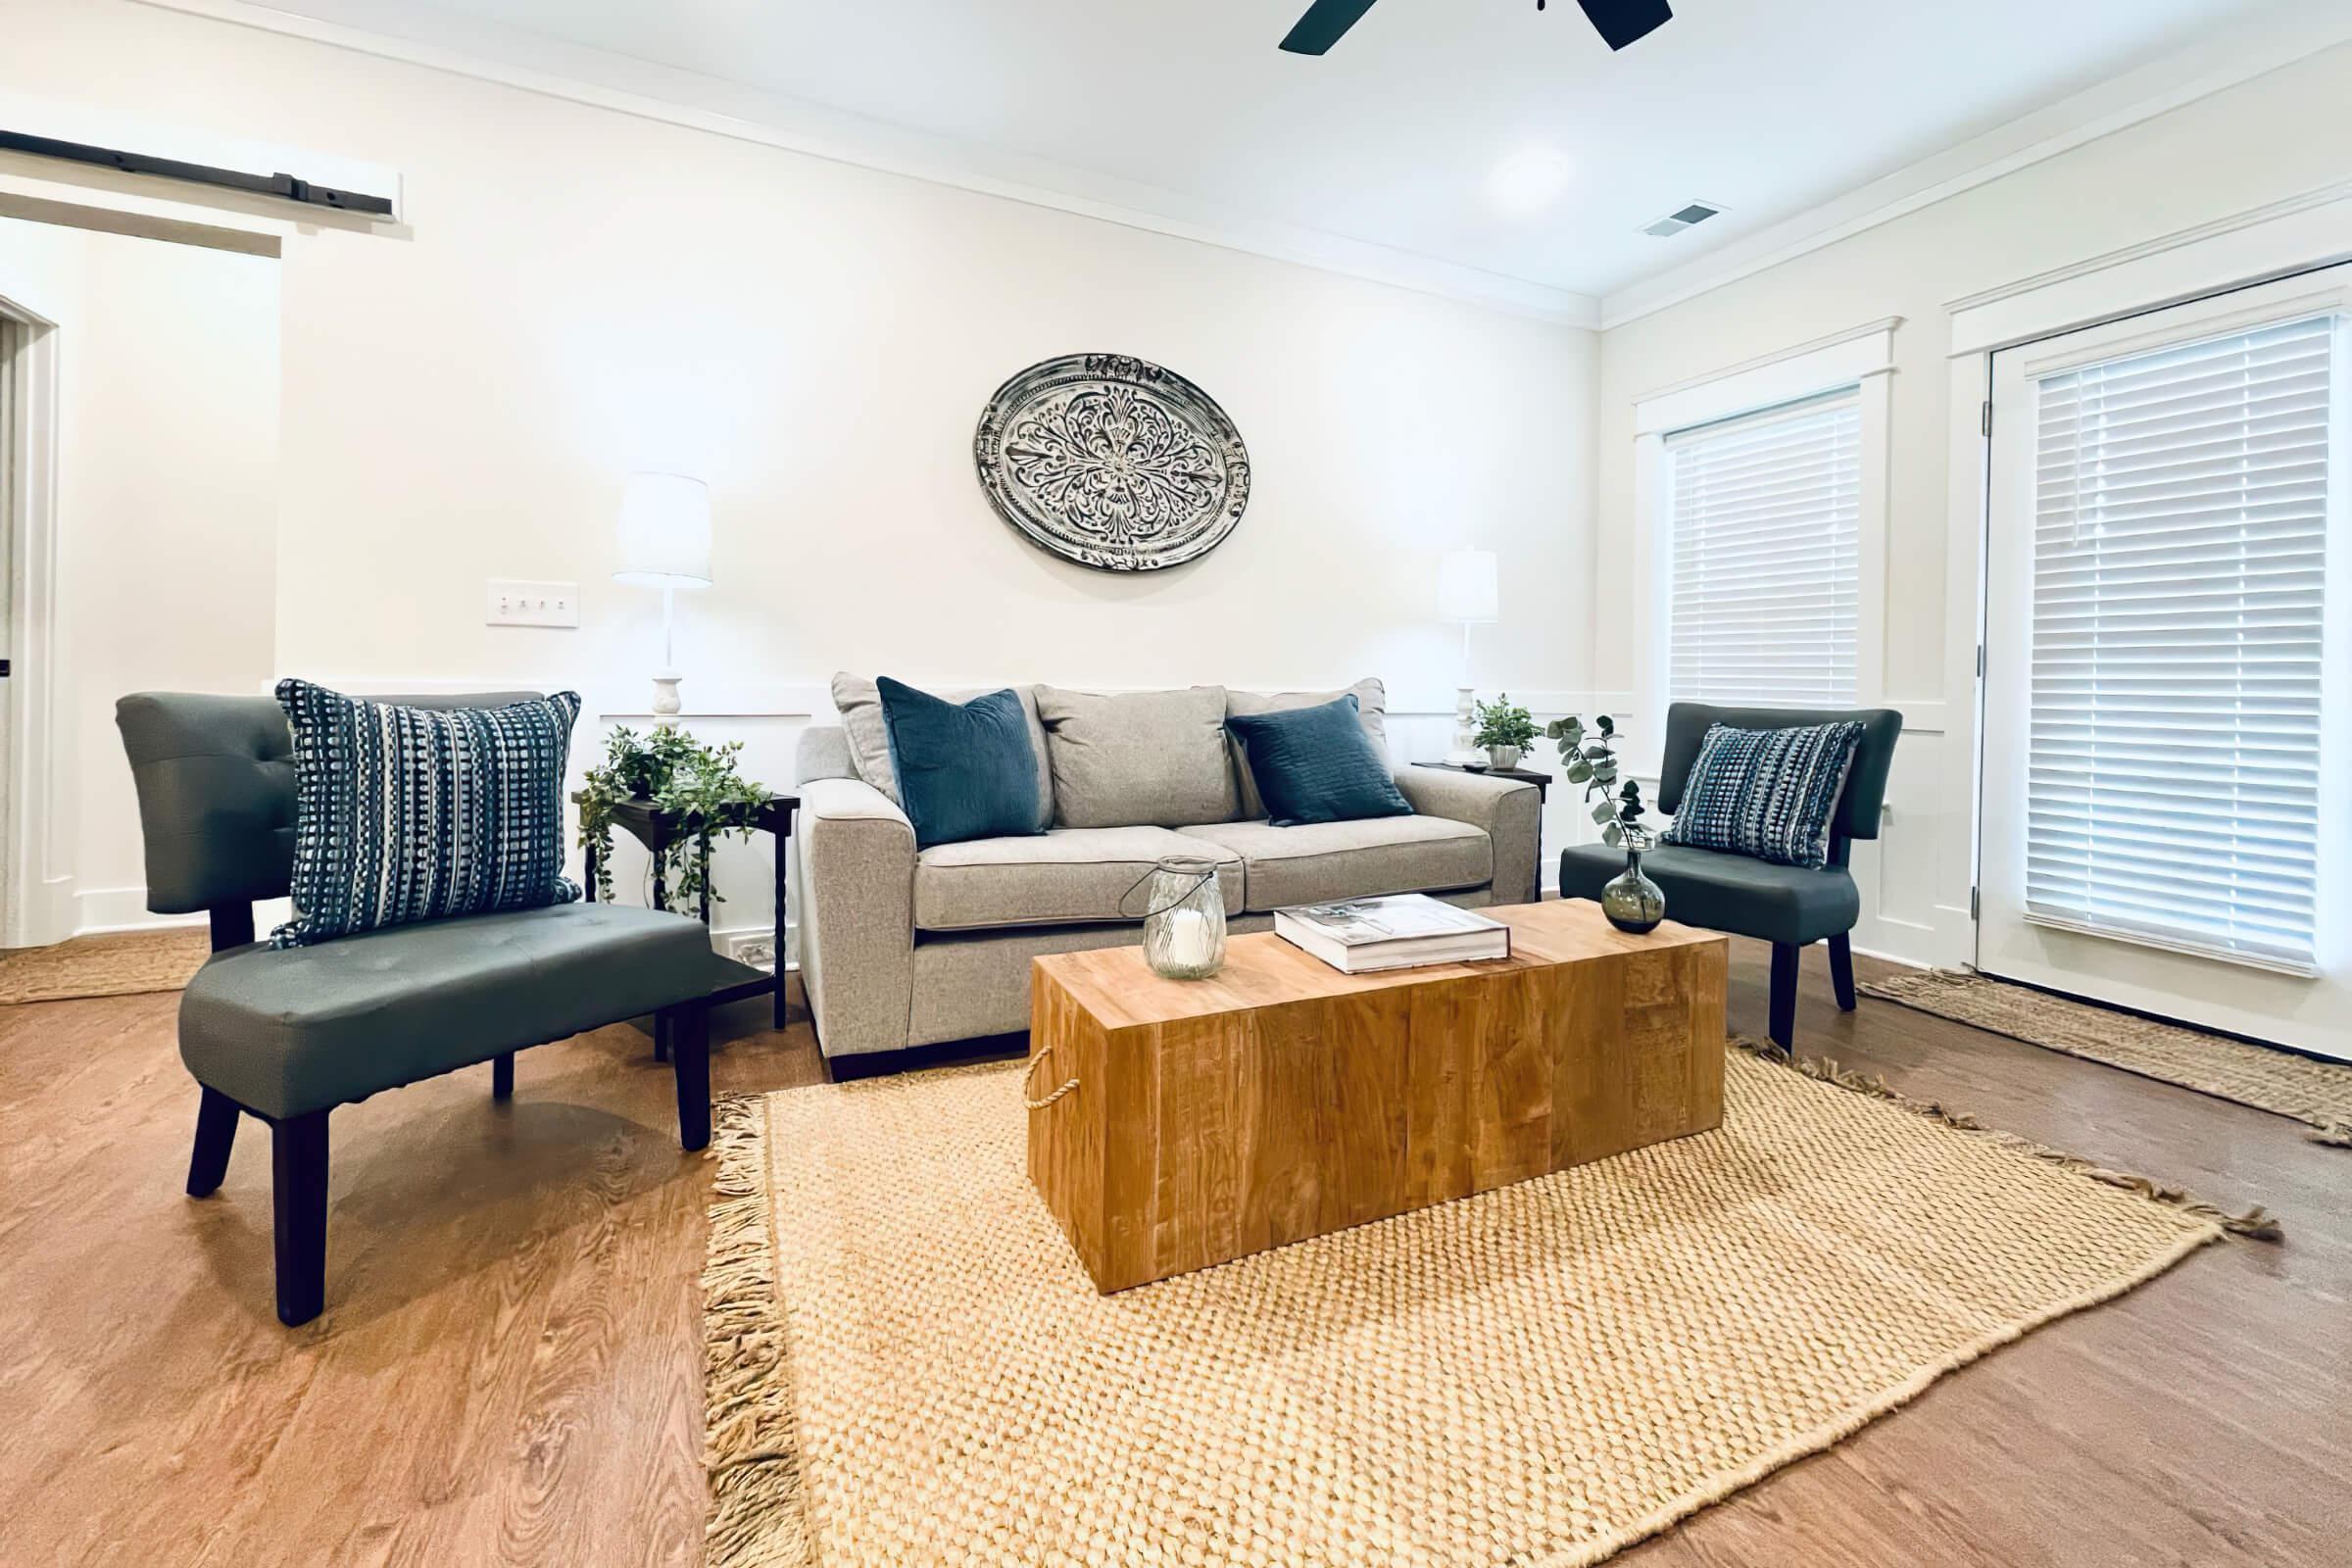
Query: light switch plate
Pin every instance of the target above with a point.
(534, 603)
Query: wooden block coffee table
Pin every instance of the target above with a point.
(1283, 1100)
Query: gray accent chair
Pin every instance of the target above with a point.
(1790, 907)
(285, 1037)
(902, 948)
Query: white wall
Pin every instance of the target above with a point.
(2265, 140)
(582, 293)
(166, 366)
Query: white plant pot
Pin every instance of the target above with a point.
(1503, 757)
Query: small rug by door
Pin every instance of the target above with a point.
(906, 1364)
(2318, 1093)
(115, 965)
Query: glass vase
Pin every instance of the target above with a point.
(1632, 901)
(1184, 930)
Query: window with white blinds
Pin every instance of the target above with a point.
(2179, 545)
(1765, 517)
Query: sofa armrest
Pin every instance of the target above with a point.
(1509, 810)
(854, 892)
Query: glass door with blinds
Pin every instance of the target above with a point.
(2166, 801)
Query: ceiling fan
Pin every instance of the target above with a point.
(1620, 22)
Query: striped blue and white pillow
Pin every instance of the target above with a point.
(1769, 794)
(416, 813)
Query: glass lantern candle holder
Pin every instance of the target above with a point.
(1184, 928)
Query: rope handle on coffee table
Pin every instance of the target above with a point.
(1029, 1083)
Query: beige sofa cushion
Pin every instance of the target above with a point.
(1286, 866)
(860, 703)
(1137, 758)
(1057, 878)
(1372, 709)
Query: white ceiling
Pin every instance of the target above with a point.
(1473, 133)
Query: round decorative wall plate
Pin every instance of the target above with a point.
(1113, 461)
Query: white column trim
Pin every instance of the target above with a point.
(1966, 498)
(1869, 536)
(1653, 589)
(39, 893)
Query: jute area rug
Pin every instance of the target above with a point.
(907, 1367)
(2280, 1081)
(103, 967)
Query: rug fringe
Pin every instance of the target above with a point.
(749, 1445)
(2255, 1224)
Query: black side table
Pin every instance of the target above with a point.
(658, 830)
(1518, 775)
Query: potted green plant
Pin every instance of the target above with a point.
(673, 771)
(1632, 901)
(1505, 729)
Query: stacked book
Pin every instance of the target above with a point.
(1361, 935)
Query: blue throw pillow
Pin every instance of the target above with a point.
(418, 814)
(1317, 765)
(966, 771)
(1769, 794)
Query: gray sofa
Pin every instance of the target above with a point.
(899, 948)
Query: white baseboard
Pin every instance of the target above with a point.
(101, 910)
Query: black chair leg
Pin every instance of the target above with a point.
(1783, 995)
(502, 1076)
(216, 1135)
(690, 1060)
(1842, 970)
(297, 1169)
(664, 1023)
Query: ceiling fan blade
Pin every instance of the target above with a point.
(1326, 21)
(1624, 22)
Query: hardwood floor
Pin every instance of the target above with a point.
(509, 1368)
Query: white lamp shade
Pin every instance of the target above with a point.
(664, 530)
(1467, 588)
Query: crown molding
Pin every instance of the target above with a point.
(2118, 104)
(442, 41)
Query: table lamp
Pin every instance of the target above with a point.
(1469, 592)
(665, 544)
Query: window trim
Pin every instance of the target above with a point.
(1863, 359)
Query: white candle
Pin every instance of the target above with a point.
(1191, 944)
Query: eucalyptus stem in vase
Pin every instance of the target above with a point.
(1589, 757)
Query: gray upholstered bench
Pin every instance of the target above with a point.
(285, 1037)
(1791, 907)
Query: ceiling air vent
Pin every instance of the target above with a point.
(1676, 221)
